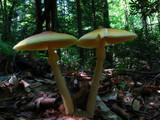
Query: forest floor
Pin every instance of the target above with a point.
(28, 92)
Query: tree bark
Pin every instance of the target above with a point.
(106, 22)
(144, 17)
(79, 18)
(79, 23)
(7, 19)
(39, 20)
(145, 28)
(50, 14)
(47, 14)
(54, 15)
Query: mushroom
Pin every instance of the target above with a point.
(99, 39)
(51, 41)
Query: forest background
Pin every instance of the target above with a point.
(22, 18)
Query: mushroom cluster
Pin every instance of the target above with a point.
(96, 39)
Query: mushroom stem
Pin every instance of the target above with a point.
(63, 90)
(91, 102)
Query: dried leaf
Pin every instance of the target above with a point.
(51, 112)
(111, 96)
(62, 117)
(44, 101)
(13, 81)
(101, 104)
(109, 72)
(26, 86)
(52, 82)
(135, 104)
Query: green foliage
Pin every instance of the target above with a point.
(119, 118)
(123, 85)
(17, 20)
(116, 11)
(138, 53)
(20, 22)
(67, 19)
(5, 78)
(144, 7)
(120, 68)
(89, 64)
(40, 55)
(6, 48)
(69, 58)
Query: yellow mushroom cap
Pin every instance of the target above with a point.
(111, 36)
(43, 40)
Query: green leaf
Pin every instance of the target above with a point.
(123, 85)
(6, 48)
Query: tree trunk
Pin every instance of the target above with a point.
(7, 20)
(47, 14)
(106, 22)
(79, 23)
(79, 18)
(54, 14)
(39, 20)
(145, 28)
(39, 25)
(144, 17)
(50, 14)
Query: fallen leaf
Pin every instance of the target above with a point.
(62, 117)
(44, 101)
(13, 81)
(135, 104)
(101, 104)
(111, 96)
(26, 86)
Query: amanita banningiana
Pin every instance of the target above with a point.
(99, 39)
(51, 41)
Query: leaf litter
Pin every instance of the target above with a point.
(120, 96)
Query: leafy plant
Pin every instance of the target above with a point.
(123, 85)
(6, 57)
(6, 48)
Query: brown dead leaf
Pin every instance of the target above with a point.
(109, 72)
(51, 113)
(45, 101)
(61, 108)
(13, 81)
(26, 85)
(62, 117)
(134, 103)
